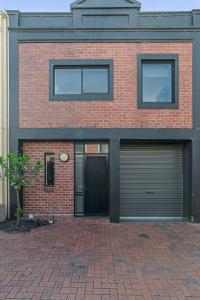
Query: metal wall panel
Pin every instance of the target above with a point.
(151, 181)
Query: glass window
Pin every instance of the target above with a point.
(79, 148)
(95, 80)
(157, 82)
(77, 81)
(67, 81)
(104, 148)
(92, 148)
(49, 169)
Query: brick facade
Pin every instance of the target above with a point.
(41, 200)
(36, 111)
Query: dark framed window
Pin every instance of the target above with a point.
(92, 148)
(81, 80)
(49, 159)
(158, 83)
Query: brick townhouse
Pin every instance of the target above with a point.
(108, 97)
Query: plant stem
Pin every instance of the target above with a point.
(19, 207)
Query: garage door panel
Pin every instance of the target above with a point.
(153, 200)
(153, 206)
(153, 213)
(151, 181)
(147, 170)
(153, 196)
(148, 166)
(150, 187)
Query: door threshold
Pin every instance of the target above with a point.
(96, 216)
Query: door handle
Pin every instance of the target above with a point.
(150, 193)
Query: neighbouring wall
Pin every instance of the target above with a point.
(3, 101)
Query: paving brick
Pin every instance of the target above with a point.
(101, 291)
(37, 296)
(24, 296)
(69, 290)
(3, 295)
(92, 297)
(46, 294)
(152, 270)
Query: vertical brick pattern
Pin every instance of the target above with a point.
(41, 200)
(37, 111)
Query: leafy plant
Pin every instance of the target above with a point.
(19, 212)
(19, 171)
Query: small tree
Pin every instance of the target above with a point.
(19, 171)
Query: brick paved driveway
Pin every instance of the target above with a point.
(93, 259)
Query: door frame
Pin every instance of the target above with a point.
(107, 185)
(107, 155)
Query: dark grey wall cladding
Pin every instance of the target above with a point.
(40, 20)
(107, 18)
(13, 18)
(168, 20)
(196, 18)
(45, 20)
(105, 4)
(103, 16)
(105, 13)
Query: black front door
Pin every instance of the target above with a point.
(96, 198)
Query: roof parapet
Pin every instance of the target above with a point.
(105, 4)
(105, 13)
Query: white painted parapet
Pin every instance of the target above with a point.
(3, 106)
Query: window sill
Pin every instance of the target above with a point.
(86, 97)
(142, 105)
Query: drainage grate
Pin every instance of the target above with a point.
(144, 236)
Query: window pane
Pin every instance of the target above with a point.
(96, 148)
(79, 184)
(67, 81)
(104, 148)
(49, 169)
(79, 148)
(92, 148)
(95, 80)
(157, 82)
(79, 180)
(79, 205)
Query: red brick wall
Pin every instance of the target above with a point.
(39, 199)
(37, 111)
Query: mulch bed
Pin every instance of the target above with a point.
(25, 225)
